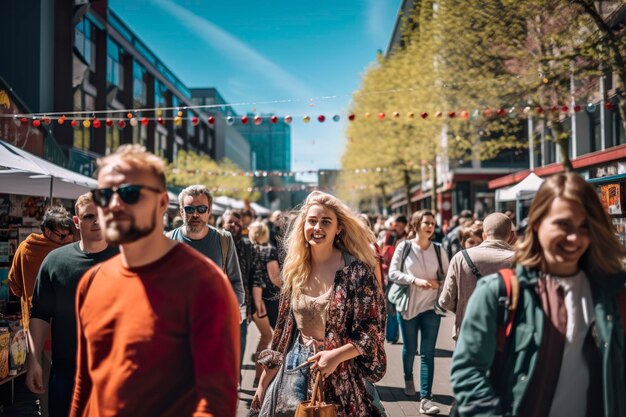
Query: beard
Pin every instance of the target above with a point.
(197, 226)
(118, 233)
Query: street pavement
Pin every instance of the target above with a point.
(391, 387)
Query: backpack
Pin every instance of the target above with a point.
(225, 246)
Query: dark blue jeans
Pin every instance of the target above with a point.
(60, 388)
(391, 330)
(243, 335)
(428, 323)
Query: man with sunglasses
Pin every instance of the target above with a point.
(54, 307)
(219, 246)
(56, 231)
(158, 326)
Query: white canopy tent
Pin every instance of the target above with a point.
(523, 190)
(27, 174)
(233, 203)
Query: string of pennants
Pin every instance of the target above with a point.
(261, 174)
(292, 188)
(134, 117)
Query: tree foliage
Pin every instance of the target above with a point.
(489, 58)
(190, 168)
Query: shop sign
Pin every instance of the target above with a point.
(611, 198)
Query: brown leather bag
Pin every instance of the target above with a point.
(316, 407)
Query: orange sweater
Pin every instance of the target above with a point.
(26, 262)
(158, 340)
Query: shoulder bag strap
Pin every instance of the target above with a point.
(406, 250)
(471, 264)
(507, 305)
(225, 245)
(437, 247)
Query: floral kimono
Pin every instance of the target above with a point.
(355, 314)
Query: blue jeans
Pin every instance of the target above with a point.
(60, 388)
(428, 323)
(391, 330)
(243, 335)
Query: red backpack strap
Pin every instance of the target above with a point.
(507, 305)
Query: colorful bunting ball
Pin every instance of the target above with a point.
(564, 109)
(306, 119)
(74, 123)
(577, 108)
(464, 115)
(288, 119)
(591, 107)
(381, 116)
(452, 115)
(129, 115)
(144, 121)
(133, 122)
(36, 123)
(351, 117)
(274, 119)
(395, 115)
(178, 120)
(86, 123)
(336, 118)
(61, 120)
(195, 121)
(121, 124)
(527, 110)
(410, 115)
(244, 120)
(438, 114)
(538, 110)
(258, 120)
(46, 120)
(501, 112)
(609, 105)
(211, 120)
(109, 122)
(488, 113)
(24, 120)
(554, 109)
(367, 115)
(160, 120)
(179, 114)
(321, 118)
(424, 115)
(97, 123)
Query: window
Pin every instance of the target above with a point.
(139, 84)
(115, 70)
(82, 135)
(84, 42)
(159, 94)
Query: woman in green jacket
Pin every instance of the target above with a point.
(565, 353)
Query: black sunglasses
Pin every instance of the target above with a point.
(129, 194)
(61, 236)
(192, 209)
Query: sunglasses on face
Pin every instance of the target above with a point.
(129, 194)
(61, 236)
(192, 209)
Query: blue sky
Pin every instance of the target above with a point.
(269, 51)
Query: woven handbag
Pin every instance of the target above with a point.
(316, 407)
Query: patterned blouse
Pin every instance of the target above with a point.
(356, 314)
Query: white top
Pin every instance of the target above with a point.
(570, 397)
(419, 264)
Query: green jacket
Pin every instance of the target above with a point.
(476, 348)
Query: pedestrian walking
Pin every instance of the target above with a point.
(54, 308)
(469, 265)
(56, 231)
(421, 265)
(564, 352)
(471, 235)
(266, 289)
(195, 208)
(158, 325)
(247, 258)
(331, 304)
(388, 244)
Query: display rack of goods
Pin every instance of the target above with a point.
(5, 338)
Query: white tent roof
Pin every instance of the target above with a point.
(27, 174)
(523, 190)
(233, 203)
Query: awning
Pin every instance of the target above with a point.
(524, 190)
(26, 174)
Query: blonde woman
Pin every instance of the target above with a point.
(331, 303)
(267, 272)
(565, 353)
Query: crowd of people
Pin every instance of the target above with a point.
(145, 321)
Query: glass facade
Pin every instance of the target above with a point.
(115, 70)
(84, 42)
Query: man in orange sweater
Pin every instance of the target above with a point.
(56, 229)
(158, 325)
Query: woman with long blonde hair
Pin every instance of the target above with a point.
(564, 353)
(332, 311)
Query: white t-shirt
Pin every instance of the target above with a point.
(570, 397)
